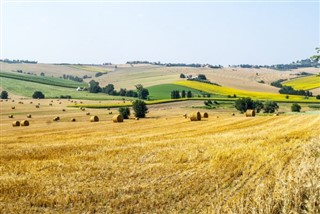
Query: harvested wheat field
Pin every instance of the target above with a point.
(160, 164)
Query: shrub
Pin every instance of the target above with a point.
(182, 75)
(270, 106)
(318, 97)
(38, 95)
(4, 95)
(295, 107)
(125, 112)
(140, 108)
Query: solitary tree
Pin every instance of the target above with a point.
(94, 87)
(125, 112)
(242, 104)
(4, 95)
(317, 56)
(295, 107)
(183, 93)
(140, 108)
(38, 95)
(189, 94)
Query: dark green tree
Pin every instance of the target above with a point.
(4, 95)
(142, 92)
(182, 75)
(94, 87)
(189, 94)
(258, 105)
(242, 104)
(175, 94)
(108, 89)
(183, 93)
(202, 77)
(270, 106)
(122, 92)
(125, 112)
(38, 95)
(295, 107)
(140, 108)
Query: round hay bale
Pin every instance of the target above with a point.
(15, 123)
(37, 106)
(73, 119)
(51, 101)
(29, 116)
(13, 107)
(24, 123)
(233, 114)
(10, 116)
(59, 102)
(205, 115)
(56, 118)
(63, 109)
(250, 113)
(13, 101)
(185, 116)
(31, 102)
(277, 114)
(88, 113)
(195, 116)
(94, 119)
(117, 118)
(136, 118)
(110, 112)
(50, 104)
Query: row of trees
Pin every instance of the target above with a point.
(73, 78)
(175, 94)
(194, 65)
(290, 90)
(242, 104)
(18, 61)
(140, 92)
(139, 107)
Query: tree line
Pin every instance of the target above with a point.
(18, 61)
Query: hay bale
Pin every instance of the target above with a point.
(50, 104)
(13, 107)
(29, 116)
(136, 118)
(31, 102)
(205, 115)
(10, 116)
(56, 118)
(110, 112)
(24, 123)
(117, 118)
(233, 114)
(63, 109)
(73, 119)
(277, 114)
(88, 113)
(94, 119)
(250, 113)
(185, 116)
(195, 116)
(37, 106)
(59, 102)
(15, 123)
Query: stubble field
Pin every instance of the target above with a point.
(161, 164)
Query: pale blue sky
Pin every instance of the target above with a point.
(215, 33)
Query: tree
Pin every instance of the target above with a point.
(316, 57)
(202, 77)
(183, 93)
(125, 112)
(142, 92)
(42, 74)
(318, 97)
(108, 89)
(258, 105)
(182, 75)
(270, 106)
(122, 92)
(189, 94)
(140, 108)
(175, 94)
(94, 87)
(295, 107)
(38, 95)
(4, 95)
(242, 104)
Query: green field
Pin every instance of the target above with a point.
(53, 81)
(304, 83)
(221, 90)
(163, 91)
(25, 88)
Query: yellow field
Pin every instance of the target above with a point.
(240, 93)
(304, 83)
(161, 164)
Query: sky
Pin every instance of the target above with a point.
(225, 33)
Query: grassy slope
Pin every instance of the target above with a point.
(25, 88)
(43, 80)
(241, 93)
(304, 83)
(163, 164)
(163, 91)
